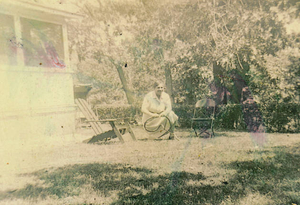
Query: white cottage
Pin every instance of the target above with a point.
(36, 98)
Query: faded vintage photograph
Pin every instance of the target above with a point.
(149, 102)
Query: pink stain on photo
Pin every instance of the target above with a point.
(53, 57)
(251, 114)
(253, 118)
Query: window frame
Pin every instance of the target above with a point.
(20, 65)
(14, 36)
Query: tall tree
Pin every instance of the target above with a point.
(182, 41)
(104, 39)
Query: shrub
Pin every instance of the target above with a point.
(229, 116)
(116, 111)
(185, 113)
(281, 117)
(284, 117)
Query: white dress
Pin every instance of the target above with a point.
(155, 105)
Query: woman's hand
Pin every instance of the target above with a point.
(162, 114)
(155, 115)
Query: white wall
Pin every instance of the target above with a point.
(35, 105)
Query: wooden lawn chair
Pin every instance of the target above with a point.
(96, 124)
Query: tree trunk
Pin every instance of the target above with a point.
(218, 74)
(129, 94)
(169, 85)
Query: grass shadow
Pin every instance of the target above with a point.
(67, 180)
(190, 133)
(133, 184)
(107, 142)
(275, 176)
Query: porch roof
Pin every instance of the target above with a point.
(37, 11)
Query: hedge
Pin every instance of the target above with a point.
(283, 117)
(116, 111)
(227, 117)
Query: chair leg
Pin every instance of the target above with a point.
(130, 130)
(212, 128)
(116, 130)
(212, 133)
(204, 130)
(195, 132)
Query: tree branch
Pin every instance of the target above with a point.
(239, 61)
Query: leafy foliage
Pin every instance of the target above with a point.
(251, 43)
(117, 111)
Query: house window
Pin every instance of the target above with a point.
(42, 44)
(8, 45)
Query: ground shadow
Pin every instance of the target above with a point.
(136, 185)
(275, 174)
(132, 183)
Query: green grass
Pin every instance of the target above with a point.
(272, 176)
(276, 177)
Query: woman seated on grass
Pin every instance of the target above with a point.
(157, 104)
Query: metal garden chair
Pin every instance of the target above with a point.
(203, 118)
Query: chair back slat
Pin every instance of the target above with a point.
(205, 103)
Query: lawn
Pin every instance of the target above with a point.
(227, 169)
